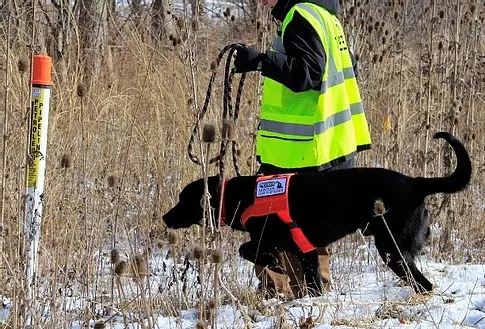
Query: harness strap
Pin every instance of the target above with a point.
(277, 204)
(222, 200)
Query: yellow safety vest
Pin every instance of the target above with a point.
(315, 128)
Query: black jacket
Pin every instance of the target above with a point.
(303, 65)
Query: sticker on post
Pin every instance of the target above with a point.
(36, 92)
(271, 187)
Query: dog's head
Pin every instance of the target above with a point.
(188, 210)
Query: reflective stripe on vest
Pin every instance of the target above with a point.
(276, 204)
(315, 127)
(310, 130)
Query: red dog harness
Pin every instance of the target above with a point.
(271, 197)
(222, 200)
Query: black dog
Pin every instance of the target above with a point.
(330, 205)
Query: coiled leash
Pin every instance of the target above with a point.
(228, 114)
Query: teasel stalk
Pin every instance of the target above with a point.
(380, 211)
(208, 137)
(81, 93)
(430, 76)
(402, 112)
(173, 240)
(4, 136)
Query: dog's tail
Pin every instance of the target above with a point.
(459, 179)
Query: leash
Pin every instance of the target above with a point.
(229, 113)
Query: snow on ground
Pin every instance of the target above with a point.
(367, 298)
(458, 302)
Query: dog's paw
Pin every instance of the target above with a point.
(426, 289)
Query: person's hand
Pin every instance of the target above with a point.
(247, 60)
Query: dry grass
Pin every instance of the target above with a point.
(117, 155)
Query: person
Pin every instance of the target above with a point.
(312, 118)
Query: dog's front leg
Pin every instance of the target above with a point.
(311, 269)
(259, 256)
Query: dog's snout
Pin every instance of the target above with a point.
(167, 218)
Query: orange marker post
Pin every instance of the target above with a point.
(41, 91)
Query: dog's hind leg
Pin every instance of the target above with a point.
(253, 252)
(311, 269)
(405, 268)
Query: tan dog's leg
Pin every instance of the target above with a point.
(272, 283)
(324, 261)
(295, 273)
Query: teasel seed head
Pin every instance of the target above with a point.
(112, 181)
(141, 265)
(197, 252)
(121, 267)
(180, 23)
(81, 90)
(228, 129)
(379, 208)
(22, 65)
(159, 244)
(195, 25)
(173, 237)
(217, 256)
(115, 256)
(212, 304)
(213, 66)
(99, 325)
(209, 133)
(66, 161)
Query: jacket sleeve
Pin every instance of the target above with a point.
(354, 63)
(302, 65)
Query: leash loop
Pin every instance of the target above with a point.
(229, 112)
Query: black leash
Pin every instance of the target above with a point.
(229, 112)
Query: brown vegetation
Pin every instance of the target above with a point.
(119, 127)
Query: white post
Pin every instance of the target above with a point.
(41, 91)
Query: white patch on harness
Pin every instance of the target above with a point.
(271, 187)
